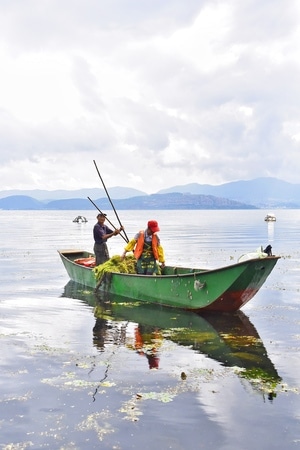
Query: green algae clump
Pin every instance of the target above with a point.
(116, 264)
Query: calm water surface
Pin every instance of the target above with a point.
(79, 372)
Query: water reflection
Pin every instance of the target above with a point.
(230, 339)
(270, 231)
(106, 331)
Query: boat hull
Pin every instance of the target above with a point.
(226, 289)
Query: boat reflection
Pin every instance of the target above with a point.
(230, 339)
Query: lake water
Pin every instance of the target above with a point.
(81, 373)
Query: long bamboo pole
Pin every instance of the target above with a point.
(107, 219)
(110, 201)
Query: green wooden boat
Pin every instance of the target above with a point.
(226, 289)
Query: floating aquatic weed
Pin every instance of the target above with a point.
(88, 364)
(188, 335)
(69, 374)
(19, 398)
(260, 379)
(130, 409)
(97, 422)
(18, 446)
(205, 372)
(164, 397)
(193, 383)
(240, 341)
(258, 374)
(79, 384)
(107, 384)
(44, 348)
(69, 380)
(83, 365)
(286, 388)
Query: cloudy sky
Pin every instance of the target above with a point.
(158, 93)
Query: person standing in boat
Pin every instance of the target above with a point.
(147, 250)
(101, 233)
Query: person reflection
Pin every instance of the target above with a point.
(147, 344)
(99, 333)
(108, 332)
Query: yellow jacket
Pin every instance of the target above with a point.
(137, 246)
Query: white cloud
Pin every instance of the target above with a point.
(158, 93)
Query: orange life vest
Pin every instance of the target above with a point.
(140, 245)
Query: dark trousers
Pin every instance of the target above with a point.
(101, 253)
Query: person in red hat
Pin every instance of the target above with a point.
(147, 250)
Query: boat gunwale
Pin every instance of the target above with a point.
(158, 276)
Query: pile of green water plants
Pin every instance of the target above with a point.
(116, 264)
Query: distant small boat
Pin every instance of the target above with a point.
(80, 219)
(270, 218)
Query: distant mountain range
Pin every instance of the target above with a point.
(260, 192)
(46, 196)
(253, 194)
(154, 201)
